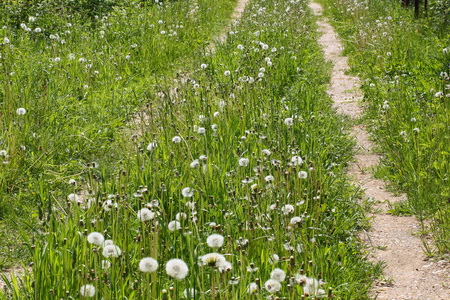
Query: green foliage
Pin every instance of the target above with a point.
(405, 64)
(139, 109)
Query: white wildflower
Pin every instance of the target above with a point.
(272, 286)
(87, 290)
(215, 240)
(96, 238)
(111, 251)
(148, 265)
(177, 269)
(187, 192)
(278, 274)
(174, 225)
(243, 162)
(145, 214)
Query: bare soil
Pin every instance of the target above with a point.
(394, 240)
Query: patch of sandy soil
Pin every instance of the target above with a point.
(394, 240)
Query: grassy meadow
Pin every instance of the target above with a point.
(405, 66)
(139, 164)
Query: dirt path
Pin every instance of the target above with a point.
(409, 274)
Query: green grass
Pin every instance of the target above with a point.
(248, 129)
(404, 63)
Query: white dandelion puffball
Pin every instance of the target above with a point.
(272, 286)
(106, 264)
(174, 225)
(180, 216)
(213, 260)
(111, 251)
(109, 205)
(73, 198)
(269, 178)
(148, 265)
(201, 130)
(203, 66)
(296, 160)
(227, 73)
(194, 164)
(176, 139)
(302, 175)
(96, 238)
(288, 121)
(187, 192)
(266, 152)
(243, 162)
(287, 209)
(278, 274)
(253, 287)
(21, 111)
(145, 214)
(295, 220)
(87, 290)
(151, 146)
(225, 267)
(177, 269)
(215, 240)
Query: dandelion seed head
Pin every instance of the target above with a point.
(274, 258)
(177, 269)
(180, 216)
(269, 178)
(106, 264)
(203, 66)
(215, 240)
(225, 267)
(266, 152)
(296, 160)
(295, 220)
(148, 265)
(96, 238)
(302, 175)
(87, 290)
(253, 287)
(194, 164)
(201, 130)
(111, 251)
(109, 205)
(288, 121)
(107, 243)
(151, 146)
(174, 225)
(21, 111)
(227, 73)
(176, 139)
(243, 162)
(272, 286)
(187, 192)
(212, 259)
(145, 214)
(287, 209)
(278, 274)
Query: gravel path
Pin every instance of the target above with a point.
(409, 274)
